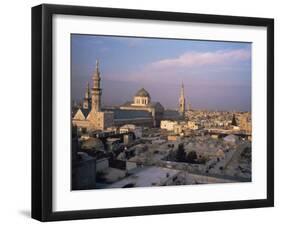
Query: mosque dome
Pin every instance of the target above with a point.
(93, 143)
(142, 93)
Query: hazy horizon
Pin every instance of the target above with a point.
(216, 75)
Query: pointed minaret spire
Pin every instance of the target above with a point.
(87, 98)
(88, 94)
(182, 89)
(97, 68)
(182, 101)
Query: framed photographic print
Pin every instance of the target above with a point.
(145, 112)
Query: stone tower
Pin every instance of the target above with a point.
(189, 106)
(182, 101)
(96, 90)
(87, 98)
(98, 119)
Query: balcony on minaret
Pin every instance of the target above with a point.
(96, 90)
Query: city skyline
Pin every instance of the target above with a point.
(216, 75)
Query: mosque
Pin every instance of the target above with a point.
(141, 111)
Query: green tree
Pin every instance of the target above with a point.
(233, 123)
(181, 156)
(191, 157)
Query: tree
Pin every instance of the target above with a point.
(180, 156)
(191, 157)
(233, 123)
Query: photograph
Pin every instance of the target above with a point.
(145, 112)
(149, 111)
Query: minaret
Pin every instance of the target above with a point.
(96, 90)
(182, 101)
(189, 106)
(87, 98)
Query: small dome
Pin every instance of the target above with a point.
(142, 93)
(93, 143)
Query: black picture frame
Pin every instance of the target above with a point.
(42, 107)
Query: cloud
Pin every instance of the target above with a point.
(197, 68)
(194, 59)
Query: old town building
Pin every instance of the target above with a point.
(141, 111)
(142, 101)
(93, 118)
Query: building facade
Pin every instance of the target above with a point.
(91, 116)
(142, 101)
(168, 125)
(141, 111)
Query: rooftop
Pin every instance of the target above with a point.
(146, 177)
(142, 93)
(130, 114)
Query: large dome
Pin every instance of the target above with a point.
(142, 93)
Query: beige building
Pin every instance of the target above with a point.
(192, 125)
(168, 125)
(246, 123)
(179, 129)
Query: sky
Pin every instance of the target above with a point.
(216, 75)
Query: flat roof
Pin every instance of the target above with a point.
(146, 177)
